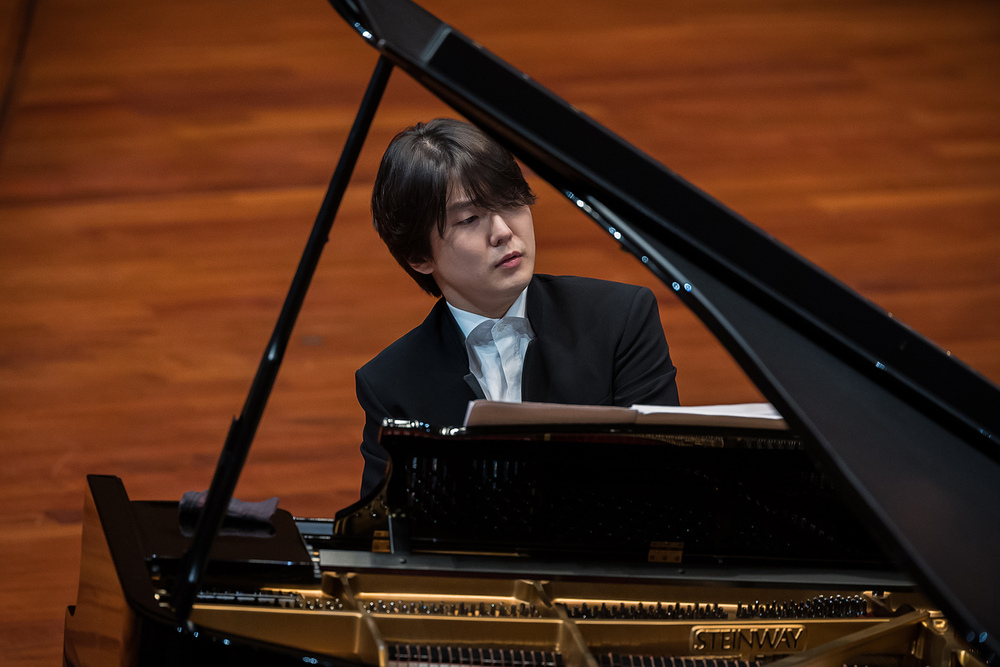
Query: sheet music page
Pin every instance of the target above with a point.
(747, 415)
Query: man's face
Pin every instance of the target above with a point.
(484, 259)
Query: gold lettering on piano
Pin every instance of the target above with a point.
(748, 639)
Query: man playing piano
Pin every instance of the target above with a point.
(455, 211)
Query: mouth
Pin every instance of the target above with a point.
(509, 260)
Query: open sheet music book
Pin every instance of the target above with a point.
(747, 415)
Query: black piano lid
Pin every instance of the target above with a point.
(909, 432)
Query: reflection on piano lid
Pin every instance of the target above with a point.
(626, 493)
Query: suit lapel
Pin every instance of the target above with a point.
(455, 380)
(473, 383)
(535, 376)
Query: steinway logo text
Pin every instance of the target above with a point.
(748, 639)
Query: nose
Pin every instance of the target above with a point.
(500, 232)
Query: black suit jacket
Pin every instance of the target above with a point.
(596, 343)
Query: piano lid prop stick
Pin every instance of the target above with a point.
(243, 428)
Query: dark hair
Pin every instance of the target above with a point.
(410, 196)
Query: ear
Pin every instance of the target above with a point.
(425, 266)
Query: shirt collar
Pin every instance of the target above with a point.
(468, 321)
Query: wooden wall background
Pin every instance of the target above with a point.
(161, 165)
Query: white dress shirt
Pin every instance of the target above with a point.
(496, 349)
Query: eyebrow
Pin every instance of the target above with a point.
(457, 206)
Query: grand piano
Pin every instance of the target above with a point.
(861, 528)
